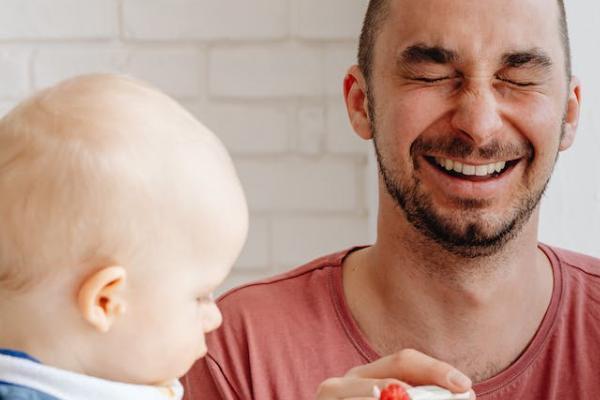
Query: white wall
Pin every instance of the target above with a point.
(571, 208)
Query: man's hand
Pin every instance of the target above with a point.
(405, 367)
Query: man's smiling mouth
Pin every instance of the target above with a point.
(469, 171)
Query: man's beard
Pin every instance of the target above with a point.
(478, 237)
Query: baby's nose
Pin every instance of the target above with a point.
(212, 318)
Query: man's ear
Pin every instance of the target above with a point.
(572, 114)
(355, 94)
(101, 299)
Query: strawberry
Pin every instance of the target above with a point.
(394, 392)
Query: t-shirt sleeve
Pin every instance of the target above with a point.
(206, 380)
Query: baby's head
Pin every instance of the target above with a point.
(119, 216)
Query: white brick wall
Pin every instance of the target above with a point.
(59, 19)
(300, 184)
(306, 237)
(310, 125)
(179, 71)
(52, 63)
(266, 71)
(265, 75)
(248, 129)
(14, 70)
(205, 19)
(329, 19)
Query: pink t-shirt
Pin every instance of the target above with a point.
(281, 337)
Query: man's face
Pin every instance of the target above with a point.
(467, 100)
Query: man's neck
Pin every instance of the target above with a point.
(407, 296)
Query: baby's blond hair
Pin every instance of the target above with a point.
(85, 167)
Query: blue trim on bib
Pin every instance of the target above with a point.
(18, 354)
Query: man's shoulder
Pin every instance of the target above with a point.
(313, 275)
(587, 264)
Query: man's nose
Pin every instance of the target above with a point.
(477, 114)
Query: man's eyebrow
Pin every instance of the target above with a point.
(420, 53)
(528, 58)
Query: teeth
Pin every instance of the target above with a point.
(481, 170)
(457, 167)
(470, 170)
(449, 164)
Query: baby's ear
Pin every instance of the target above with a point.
(101, 299)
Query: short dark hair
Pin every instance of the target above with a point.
(377, 12)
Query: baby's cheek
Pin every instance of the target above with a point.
(190, 348)
(196, 336)
(202, 348)
(196, 351)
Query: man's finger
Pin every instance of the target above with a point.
(352, 388)
(414, 368)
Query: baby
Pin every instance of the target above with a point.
(119, 216)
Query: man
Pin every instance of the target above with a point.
(468, 103)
